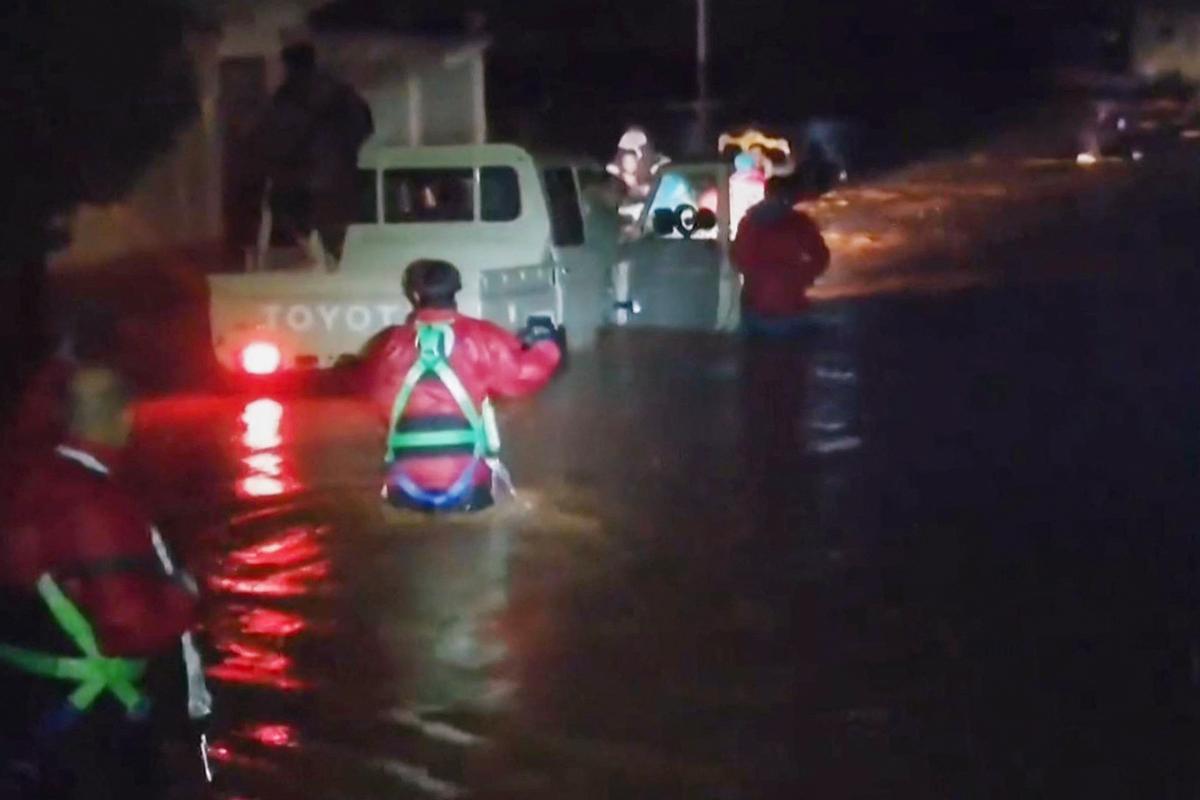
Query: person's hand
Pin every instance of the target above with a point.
(539, 329)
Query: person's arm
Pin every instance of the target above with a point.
(742, 252)
(815, 253)
(356, 374)
(516, 370)
(114, 573)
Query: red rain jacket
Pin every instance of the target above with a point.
(489, 361)
(780, 252)
(39, 419)
(70, 519)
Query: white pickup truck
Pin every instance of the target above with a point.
(521, 229)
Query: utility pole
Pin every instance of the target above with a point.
(702, 103)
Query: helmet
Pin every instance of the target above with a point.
(633, 139)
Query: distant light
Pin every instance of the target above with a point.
(1190, 133)
(1137, 155)
(261, 358)
(1122, 124)
(1086, 159)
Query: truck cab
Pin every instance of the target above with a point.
(528, 237)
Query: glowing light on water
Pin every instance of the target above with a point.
(255, 666)
(265, 463)
(260, 486)
(292, 546)
(261, 418)
(269, 622)
(273, 735)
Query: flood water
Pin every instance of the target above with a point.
(944, 547)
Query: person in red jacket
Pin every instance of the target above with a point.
(434, 378)
(91, 600)
(780, 253)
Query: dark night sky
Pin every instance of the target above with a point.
(846, 53)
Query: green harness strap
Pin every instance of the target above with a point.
(435, 342)
(94, 672)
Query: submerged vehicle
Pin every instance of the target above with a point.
(674, 268)
(523, 231)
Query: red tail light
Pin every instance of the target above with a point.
(261, 358)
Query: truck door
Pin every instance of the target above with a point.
(583, 244)
(672, 280)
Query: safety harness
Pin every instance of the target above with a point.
(435, 343)
(94, 672)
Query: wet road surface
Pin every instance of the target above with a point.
(941, 549)
(944, 547)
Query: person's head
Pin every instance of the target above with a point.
(429, 283)
(634, 139)
(783, 189)
(299, 59)
(98, 403)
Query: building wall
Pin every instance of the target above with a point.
(420, 92)
(174, 204)
(448, 112)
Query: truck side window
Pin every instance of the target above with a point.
(499, 194)
(429, 195)
(368, 203)
(566, 218)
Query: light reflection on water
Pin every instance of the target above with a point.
(262, 419)
(265, 472)
(247, 664)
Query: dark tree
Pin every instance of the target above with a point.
(90, 92)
